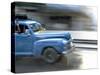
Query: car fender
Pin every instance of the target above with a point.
(57, 43)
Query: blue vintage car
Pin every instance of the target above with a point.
(32, 39)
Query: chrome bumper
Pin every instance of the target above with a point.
(69, 51)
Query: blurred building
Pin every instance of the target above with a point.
(59, 17)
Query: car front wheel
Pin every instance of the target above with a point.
(50, 55)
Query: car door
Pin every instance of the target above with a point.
(23, 41)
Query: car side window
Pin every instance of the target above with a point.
(21, 28)
(16, 29)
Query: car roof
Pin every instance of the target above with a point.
(26, 22)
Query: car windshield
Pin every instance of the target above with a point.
(36, 27)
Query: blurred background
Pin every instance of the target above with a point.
(60, 17)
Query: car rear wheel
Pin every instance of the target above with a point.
(50, 55)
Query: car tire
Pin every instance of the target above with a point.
(50, 55)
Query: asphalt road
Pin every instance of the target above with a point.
(78, 59)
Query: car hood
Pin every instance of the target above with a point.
(53, 34)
